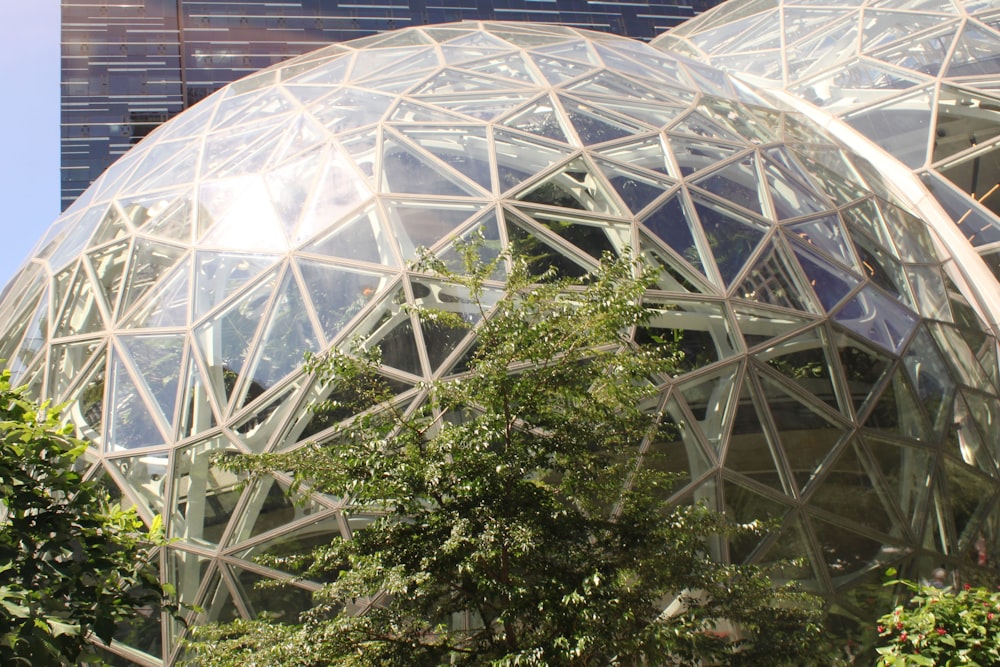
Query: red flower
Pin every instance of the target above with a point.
(989, 616)
(880, 628)
(941, 631)
(902, 637)
(966, 586)
(899, 626)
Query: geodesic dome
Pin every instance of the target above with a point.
(835, 377)
(919, 79)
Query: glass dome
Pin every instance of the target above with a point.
(919, 79)
(836, 378)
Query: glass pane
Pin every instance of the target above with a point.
(203, 495)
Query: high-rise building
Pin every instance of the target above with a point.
(129, 66)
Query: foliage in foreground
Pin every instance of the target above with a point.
(70, 563)
(941, 627)
(523, 514)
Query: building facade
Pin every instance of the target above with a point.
(129, 66)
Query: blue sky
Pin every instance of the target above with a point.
(29, 114)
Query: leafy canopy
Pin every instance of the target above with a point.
(941, 627)
(524, 515)
(71, 563)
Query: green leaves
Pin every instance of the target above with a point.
(71, 563)
(939, 626)
(520, 521)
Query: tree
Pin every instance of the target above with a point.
(524, 519)
(939, 626)
(72, 564)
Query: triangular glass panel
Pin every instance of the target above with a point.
(150, 262)
(803, 360)
(350, 108)
(699, 332)
(324, 75)
(672, 274)
(594, 125)
(521, 156)
(851, 492)
(144, 478)
(729, 113)
(425, 223)
(864, 218)
(907, 473)
(187, 571)
(594, 237)
(750, 450)
(791, 197)
(508, 65)
(731, 235)
(239, 151)
(85, 411)
(339, 293)
(790, 555)
(573, 186)
(745, 506)
(774, 279)
(452, 81)
(736, 183)
(965, 120)
(975, 53)
(406, 170)
(807, 434)
(287, 336)
(389, 328)
(163, 216)
(238, 215)
(909, 233)
(864, 367)
(977, 225)
(822, 50)
(637, 189)
(760, 324)
(203, 495)
(158, 362)
(82, 313)
(408, 111)
(132, 424)
(220, 275)
(898, 410)
(698, 125)
(961, 358)
(486, 233)
(655, 114)
(168, 306)
(674, 447)
(467, 38)
(878, 318)
(825, 234)
(854, 83)
(559, 70)
(165, 165)
(441, 339)
(847, 553)
(34, 339)
(66, 362)
(609, 84)
(405, 60)
(197, 412)
(671, 223)
(694, 154)
(540, 254)
(831, 171)
(902, 127)
(289, 188)
(216, 606)
(270, 504)
(482, 106)
(464, 149)
(258, 430)
(299, 134)
(226, 339)
(931, 378)
(540, 118)
(711, 399)
(112, 226)
(975, 416)
(356, 239)
(830, 282)
(648, 152)
(970, 496)
(282, 603)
